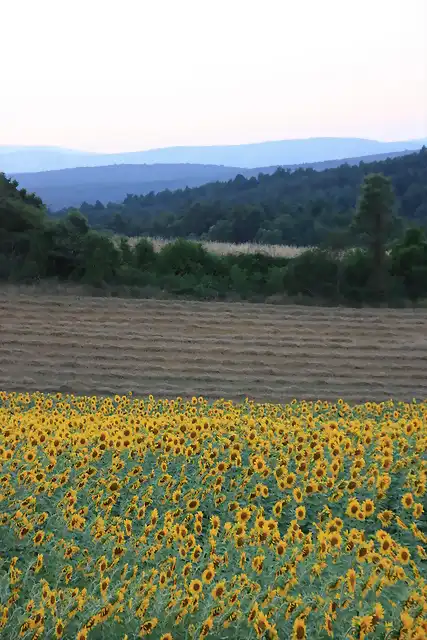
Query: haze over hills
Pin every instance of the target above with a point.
(70, 187)
(15, 159)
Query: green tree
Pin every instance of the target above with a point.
(100, 258)
(22, 222)
(128, 254)
(374, 221)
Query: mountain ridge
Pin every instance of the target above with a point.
(71, 187)
(27, 159)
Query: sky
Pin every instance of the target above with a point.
(110, 75)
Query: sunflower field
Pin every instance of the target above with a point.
(124, 518)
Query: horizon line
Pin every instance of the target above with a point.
(205, 146)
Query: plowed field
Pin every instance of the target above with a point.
(167, 348)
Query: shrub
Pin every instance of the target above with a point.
(313, 273)
(127, 253)
(409, 263)
(145, 256)
(184, 257)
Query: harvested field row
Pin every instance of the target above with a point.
(96, 345)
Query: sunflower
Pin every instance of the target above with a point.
(418, 510)
(328, 625)
(335, 540)
(243, 515)
(386, 544)
(280, 548)
(59, 628)
(299, 630)
(197, 552)
(300, 512)
(351, 580)
(378, 612)
(277, 509)
(386, 517)
(407, 500)
(30, 605)
(30, 455)
(206, 627)
(219, 590)
(363, 553)
(23, 630)
(290, 479)
(421, 552)
(368, 507)
(102, 564)
(403, 555)
(208, 574)
(261, 624)
(353, 508)
(365, 624)
(39, 563)
(297, 493)
(118, 551)
(38, 538)
(258, 564)
(103, 586)
(195, 586)
(407, 621)
(147, 627)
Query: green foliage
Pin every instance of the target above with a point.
(145, 256)
(409, 263)
(22, 221)
(355, 276)
(375, 209)
(314, 273)
(101, 259)
(183, 257)
(374, 222)
(239, 281)
(66, 239)
(128, 256)
(32, 247)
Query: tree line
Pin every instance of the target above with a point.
(383, 269)
(302, 207)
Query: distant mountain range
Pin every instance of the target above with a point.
(14, 159)
(70, 187)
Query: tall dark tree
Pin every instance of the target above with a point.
(374, 221)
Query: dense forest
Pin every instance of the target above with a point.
(389, 265)
(302, 207)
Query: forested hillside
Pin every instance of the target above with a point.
(302, 207)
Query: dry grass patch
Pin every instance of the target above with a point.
(230, 248)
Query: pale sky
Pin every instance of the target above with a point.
(110, 75)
